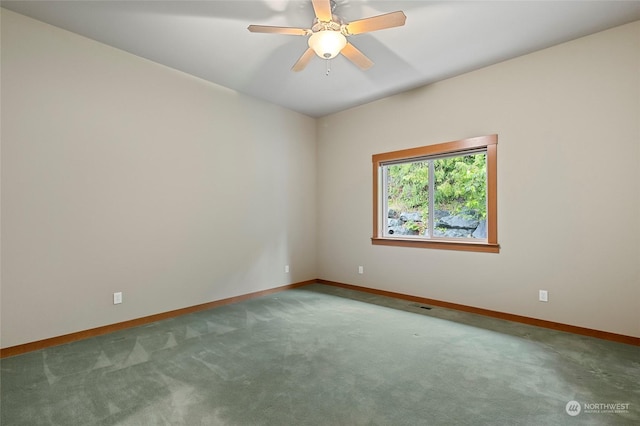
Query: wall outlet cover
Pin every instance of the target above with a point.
(543, 296)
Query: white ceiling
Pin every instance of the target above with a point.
(441, 39)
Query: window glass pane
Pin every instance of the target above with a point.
(460, 203)
(407, 198)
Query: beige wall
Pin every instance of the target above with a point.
(568, 120)
(119, 174)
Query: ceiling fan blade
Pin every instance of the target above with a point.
(277, 30)
(375, 23)
(357, 57)
(304, 60)
(322, 9)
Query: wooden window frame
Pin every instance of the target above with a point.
(491, 245)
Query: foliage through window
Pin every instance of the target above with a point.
(438, 196)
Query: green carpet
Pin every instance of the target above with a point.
(321, 355)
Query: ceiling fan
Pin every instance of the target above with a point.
(328, 34)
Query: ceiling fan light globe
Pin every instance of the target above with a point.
(327, 43)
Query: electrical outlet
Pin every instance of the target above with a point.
(286, 269)
(117, 298)
(543, 296)
(361, 269)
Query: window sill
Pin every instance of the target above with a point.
(437, 244)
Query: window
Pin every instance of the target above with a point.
(437, 196)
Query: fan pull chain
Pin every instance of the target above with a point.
(328, 67)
